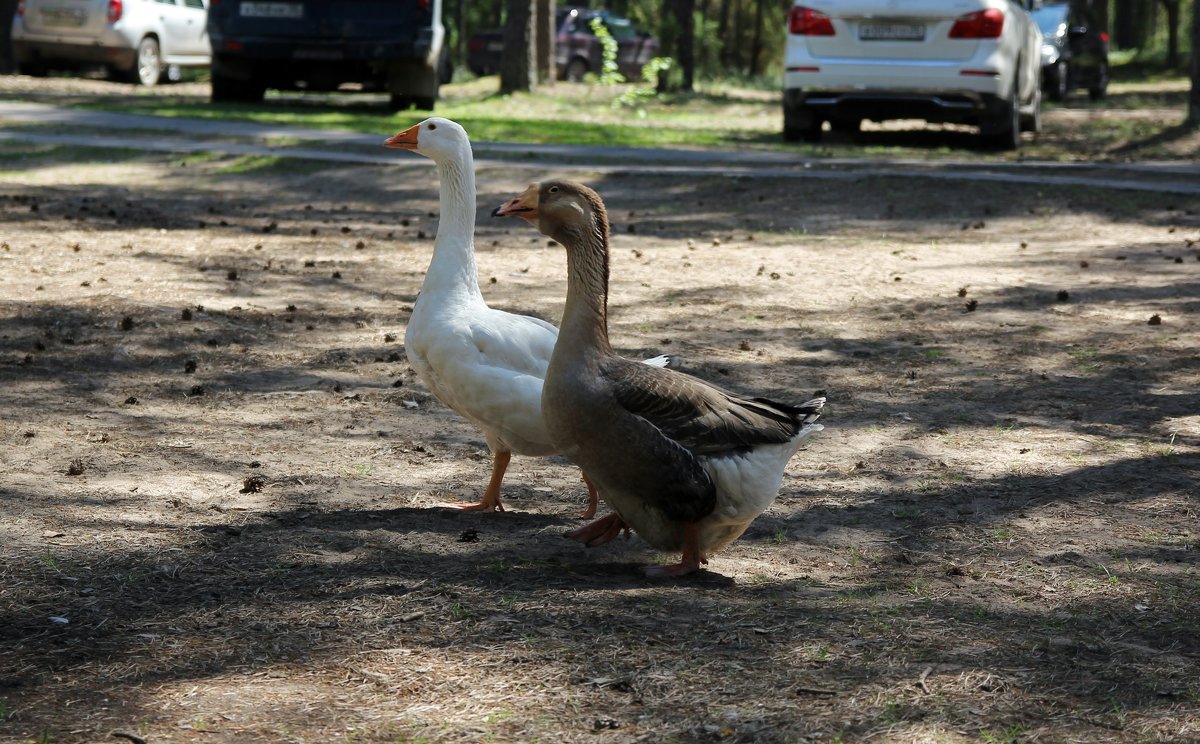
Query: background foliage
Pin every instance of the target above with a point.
(744, 38)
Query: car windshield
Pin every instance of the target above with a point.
(1050, 18)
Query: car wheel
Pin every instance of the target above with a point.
(399, 102)
(1002, 130)
(1056, 83)
(425, 103)
(1032, 121)
(149, 67)
(576, 69)
(1098, 91)
(846, 126)
(231, 90)
(32, 69)
(800, 124)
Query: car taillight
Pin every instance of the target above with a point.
(115, 9)
(1104, 36)
(423, 5)
(804, 21)
(475, 45)
(982, 24)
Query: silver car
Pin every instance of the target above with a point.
(142, 41)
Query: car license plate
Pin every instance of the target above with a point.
(64, 17)
(495, 46)
(892, 32)
(272, 10)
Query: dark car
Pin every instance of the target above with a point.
(1074, 50)
(577, 51)
(395, 46)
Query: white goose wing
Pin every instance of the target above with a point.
(490, 369)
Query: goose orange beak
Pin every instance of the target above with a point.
(406, 140)
(524, 206)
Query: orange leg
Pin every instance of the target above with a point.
(600, 531)
(692, 556)
(491, 497)
(593, 499)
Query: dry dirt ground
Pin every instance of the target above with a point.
(219, 475)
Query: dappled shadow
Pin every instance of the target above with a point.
(1166, 136)
(994, 528)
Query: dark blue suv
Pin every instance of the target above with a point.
(395, 46)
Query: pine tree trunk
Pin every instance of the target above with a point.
(1194, 97)
(723, 34)
(686, 18)
(7, 9)
(1172, 7)
(545, 33)
(517, 65)
(461, 56)
(756, 46)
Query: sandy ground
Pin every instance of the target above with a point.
(219, 474)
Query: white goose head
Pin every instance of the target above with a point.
(436, 138)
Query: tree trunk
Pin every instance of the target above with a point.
(517, 65)
(461, 55)
(685, 11)
(723, 33)
(1172, 7)
(756, 46)
(1100, 10)
(1194, 97)
(545, 33)
(7, 9)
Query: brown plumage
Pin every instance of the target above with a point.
(684, 463)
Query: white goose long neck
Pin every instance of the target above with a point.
(452, 269)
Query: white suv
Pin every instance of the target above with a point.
(972, 62)
(137, 40)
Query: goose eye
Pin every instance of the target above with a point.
(432, 127)
(553, 190)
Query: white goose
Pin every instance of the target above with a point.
(485, 364)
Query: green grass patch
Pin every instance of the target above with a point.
(274, 165)
(34, 154)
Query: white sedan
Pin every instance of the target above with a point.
(974, 62)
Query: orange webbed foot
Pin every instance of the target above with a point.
(600, 531)
(692, 559)
(485, 505)
(593, 499)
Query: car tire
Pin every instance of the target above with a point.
(232, 90)
(576, 69)
(1002, 130)
(399, 102)
(33, 69)
(425, 103)
(148, 64)
(1056, 83)
(1032, 121)
(1099, 90)
(846, 126)
(800, 124)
